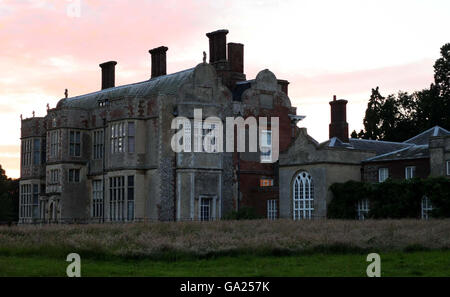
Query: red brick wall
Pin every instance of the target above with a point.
(396, 169)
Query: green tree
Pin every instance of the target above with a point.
(402, 116)
(442, 71)
(9, 198)
(372, 120)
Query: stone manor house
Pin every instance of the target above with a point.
(106, 156)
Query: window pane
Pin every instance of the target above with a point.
(131, 130)
(131, 144)
(131, 180)
(130, 210)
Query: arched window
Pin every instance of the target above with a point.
(303, 194)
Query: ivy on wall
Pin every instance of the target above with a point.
(391, 199)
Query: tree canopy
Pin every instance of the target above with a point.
(402, 116)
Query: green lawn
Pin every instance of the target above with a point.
(426, 263)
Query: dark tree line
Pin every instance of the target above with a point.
(402, 116)
(9, 198)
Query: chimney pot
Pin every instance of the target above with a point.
(339, 126)
(217, 45)
(236, 57)
(108, 74)
(159, 62)
(284, 85)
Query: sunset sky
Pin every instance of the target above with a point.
(322, 47)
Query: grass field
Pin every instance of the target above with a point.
(430, 263)
(229, 248)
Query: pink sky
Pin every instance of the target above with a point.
(322, 47)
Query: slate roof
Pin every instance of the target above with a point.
(411, 152)
(377, 146)
(167, 84)
(423, 137)
(413, 148)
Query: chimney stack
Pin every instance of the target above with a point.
(159, 64)
(108, 74)
(217, 45)
(236, 57)
(284, 85)
(339, 125)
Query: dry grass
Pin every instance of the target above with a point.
(225, 237)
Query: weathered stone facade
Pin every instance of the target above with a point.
(307, 169)
(108, 154)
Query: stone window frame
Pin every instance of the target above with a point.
(26, 201)
(38, 151)
(383, 177)
(303, 196)
(97, 199)
(54, 142)
(264, 157)
(448, 167)
(98, 142)
(27, 151)
(425, 207)
(74, 175)
(272, 209)
(412, 172)
(212, 207)
(119, 200)
(54, 176)
(75, 143)
(131, 193)
(121, 137)
(131, 136)
(202, 208)
(362, 208)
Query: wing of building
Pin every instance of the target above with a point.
(307, 169)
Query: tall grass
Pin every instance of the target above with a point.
(170, 240)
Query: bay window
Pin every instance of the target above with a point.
(122, 132)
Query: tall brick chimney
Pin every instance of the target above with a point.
(236, 57)
(108, 74)
(217, 45)
(159, 64)
(339, 125)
